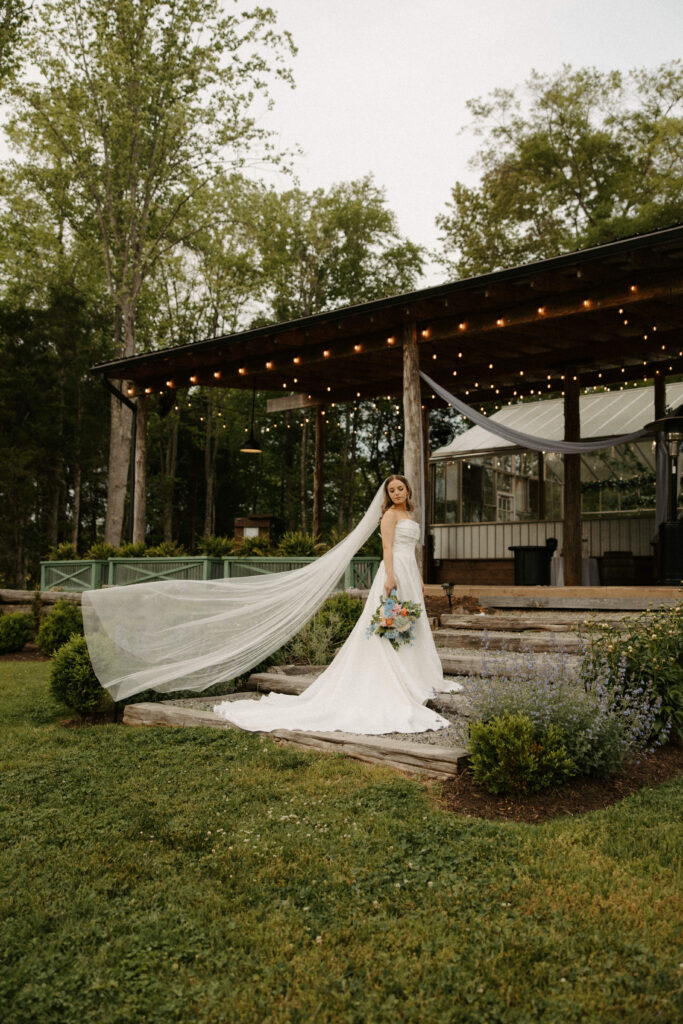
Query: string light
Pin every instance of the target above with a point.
(296, 360)
(217, 374)
(586, 303)
(462, 326)
(242, 370)
(500, 321)
(269, 365)
(193, 380)
(391, 341)
(148, 391)
(170, 384)
(541, 310)
(326, 353)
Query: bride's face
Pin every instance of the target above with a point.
(398, 492)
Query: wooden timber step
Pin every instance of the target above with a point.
(538, 642)
(426, 758)
(594, 599)
(477, 662)
(546, 621)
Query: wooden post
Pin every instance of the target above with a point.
(662, 469)
(426, 562)
(139, 483)
(412, 416)
(572, 486)
(318, 471)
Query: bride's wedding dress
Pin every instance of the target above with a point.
(369, 688)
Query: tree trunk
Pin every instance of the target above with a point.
(140, 504)
(75, 528)
(120, 432)
(318, 472)
(412, 416)
(352, 471)
(302, 481)
(572, 487)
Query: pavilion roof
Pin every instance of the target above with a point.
(610, 313)
(603, 414)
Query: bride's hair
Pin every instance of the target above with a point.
(388, 503)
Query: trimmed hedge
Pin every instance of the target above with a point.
(72, 680)
(63, 621)
(16, 629)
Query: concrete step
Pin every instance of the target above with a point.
(529, 640)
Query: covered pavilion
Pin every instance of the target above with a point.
(607, 315)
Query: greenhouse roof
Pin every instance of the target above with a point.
(602, 415)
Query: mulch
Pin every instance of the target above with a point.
(29, 653)
(463, 795)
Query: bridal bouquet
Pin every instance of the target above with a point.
(395, 620)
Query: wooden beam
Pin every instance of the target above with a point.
(318, 472)
(291, 401)
(572, 486)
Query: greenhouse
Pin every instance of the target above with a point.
(489, 496)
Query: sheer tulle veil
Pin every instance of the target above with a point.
(190, 634)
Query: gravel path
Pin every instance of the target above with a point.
(440, 737)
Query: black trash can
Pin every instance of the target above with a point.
(532, 563)
(671, 553)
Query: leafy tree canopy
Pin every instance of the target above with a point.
(574, 159)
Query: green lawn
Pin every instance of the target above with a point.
(163, 875)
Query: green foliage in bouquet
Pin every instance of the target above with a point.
(72, 680)
(511, 755)
(394, 620)
(59, 625)
(16, 629)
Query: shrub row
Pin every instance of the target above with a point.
(290, 545)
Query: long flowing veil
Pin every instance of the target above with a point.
(190, 634)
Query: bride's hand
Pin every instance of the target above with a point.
(389, 585)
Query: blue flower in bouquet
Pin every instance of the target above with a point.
(394, 620)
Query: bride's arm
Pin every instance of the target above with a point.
(387, 530)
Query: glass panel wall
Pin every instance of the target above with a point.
(494, 488)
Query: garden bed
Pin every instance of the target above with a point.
(463, 795)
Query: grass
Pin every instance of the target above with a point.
(170, 875)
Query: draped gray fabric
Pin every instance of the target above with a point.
(516, 437)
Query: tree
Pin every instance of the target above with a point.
(13, 18)
(325, 249)
(140, 103)
(582, 157)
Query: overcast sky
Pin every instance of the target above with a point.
(382, 84)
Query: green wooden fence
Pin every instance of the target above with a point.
(115, 572)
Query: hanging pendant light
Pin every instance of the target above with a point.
(251, 445)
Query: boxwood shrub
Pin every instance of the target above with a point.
(72, 680)
(16, 629)
(64, 620)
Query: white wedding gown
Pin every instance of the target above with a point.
(369, 688)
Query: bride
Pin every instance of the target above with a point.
(369, 687)
(191, 634)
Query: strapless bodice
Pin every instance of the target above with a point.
(407, 533)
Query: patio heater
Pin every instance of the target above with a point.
(671, 531)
